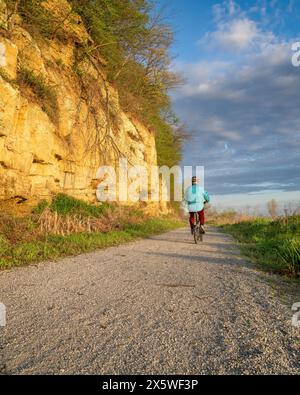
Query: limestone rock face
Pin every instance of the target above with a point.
(8, 57)
(56, 148)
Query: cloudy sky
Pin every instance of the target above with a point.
(241, 97)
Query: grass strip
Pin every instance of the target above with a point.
(274, 245)
(52, 247)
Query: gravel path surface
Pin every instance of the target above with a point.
(160, 305)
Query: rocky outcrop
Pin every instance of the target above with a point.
(58, 124)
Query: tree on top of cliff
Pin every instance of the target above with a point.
(135, 42)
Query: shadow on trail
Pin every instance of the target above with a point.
(172, 240)
(180, 240)
(228, 260)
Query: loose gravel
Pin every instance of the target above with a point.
(162, 305)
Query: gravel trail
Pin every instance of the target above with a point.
(156, 306)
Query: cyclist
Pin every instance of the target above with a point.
(196, 197)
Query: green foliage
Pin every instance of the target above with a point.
(117, 26)
(36, 18)
(289, 252)
(43, 91)
(41, 207)
(274, 245)
(168, 144)
(67, 205)
(135, 44)
(42, 21)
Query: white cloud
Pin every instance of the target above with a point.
(242, 34)
(237, 34)
(238, 29)
(228, 8)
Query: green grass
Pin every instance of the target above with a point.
(66, 205)
(54, 247)
(273, 245)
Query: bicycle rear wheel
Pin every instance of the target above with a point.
(197, 229)
(200, 236)
(196, 234)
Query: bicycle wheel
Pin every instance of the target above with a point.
(196, 233)
(200, 235)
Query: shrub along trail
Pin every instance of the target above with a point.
(159, 305)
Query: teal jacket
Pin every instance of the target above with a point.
(195, 197)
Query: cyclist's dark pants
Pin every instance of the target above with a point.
(192, 218)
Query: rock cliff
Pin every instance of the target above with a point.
(60, 119)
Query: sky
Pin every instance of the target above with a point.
(241, 95)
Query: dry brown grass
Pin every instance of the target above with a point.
(53, 223)
(17, 229)
(33, 227)
(66, 216)
(50, 222)
(228, 217)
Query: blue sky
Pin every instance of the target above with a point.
(241, 96)
(192, 19)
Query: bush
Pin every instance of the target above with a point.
(289, 252)
(67, 205)
(41, 207)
